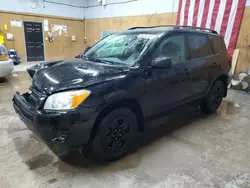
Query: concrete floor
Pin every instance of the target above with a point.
(24, 66)
(190, 150)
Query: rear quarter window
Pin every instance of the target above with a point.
(199, 46)
(217, 43)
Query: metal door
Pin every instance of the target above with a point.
(34, 41)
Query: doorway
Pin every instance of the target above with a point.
(33, 33)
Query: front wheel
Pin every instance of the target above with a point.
(115, 135)
(214, 98)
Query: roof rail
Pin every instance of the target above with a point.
(192, 27)
(132, 28)
(176, 27)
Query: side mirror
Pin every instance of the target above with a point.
(87, 49)
(81, 55)
(162, 63)
(78, 56)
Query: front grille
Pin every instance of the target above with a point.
(34, 98)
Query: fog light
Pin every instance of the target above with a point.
(61, 137)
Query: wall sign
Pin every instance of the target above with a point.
(16, 23)
(59, 30)
(9, 36)
(46, 28)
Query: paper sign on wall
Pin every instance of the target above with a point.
(16, 23)
(73, 38)
(9, 36)
(60, 29)
(46, 22)
(46, 28)
(19, 24)
(46, 25)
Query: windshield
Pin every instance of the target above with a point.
(124, 49)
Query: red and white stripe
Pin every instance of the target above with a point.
(224, 16)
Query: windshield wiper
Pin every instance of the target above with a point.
(99, 60)
(84, 56)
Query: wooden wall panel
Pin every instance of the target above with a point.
(96, 26)
(61, 47)
(243, 60)
(243, 43)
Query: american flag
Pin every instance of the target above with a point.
(224, 16)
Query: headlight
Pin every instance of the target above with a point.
(66, 100)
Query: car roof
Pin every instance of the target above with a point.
(169, 29)
(148, 30)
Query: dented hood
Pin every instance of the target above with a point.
(72, 74)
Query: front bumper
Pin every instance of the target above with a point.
(6, 67)
(66, 128)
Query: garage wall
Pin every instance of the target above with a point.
(60, 12)
(243, 42)
(61, 47)
(96, 26)
(116, 15)
(65, 8)
(121, 8)
(122, 14)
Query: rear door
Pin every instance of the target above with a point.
(201, 59)
(220, 54)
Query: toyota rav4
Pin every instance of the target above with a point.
(103, 99)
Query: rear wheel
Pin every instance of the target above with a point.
(214, 98)
(115, 135)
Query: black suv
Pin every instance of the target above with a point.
(102, 100)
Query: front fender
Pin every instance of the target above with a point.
(115, 97)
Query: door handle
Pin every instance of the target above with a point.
(215, 64)
(186, 71)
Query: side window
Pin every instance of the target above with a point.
(172, 47)
(199, 46)
(217, 44)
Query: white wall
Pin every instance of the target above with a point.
(46, 8)
(131, 8)
(136, 7)
(248, 3)
(93, 9)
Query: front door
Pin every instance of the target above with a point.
(34, 41)
(168, 88)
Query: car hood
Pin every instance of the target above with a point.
(56, 76)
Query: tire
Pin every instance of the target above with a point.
(115, 135)
(214, 98)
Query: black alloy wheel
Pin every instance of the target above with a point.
(214, 98)
(115, 135)
(217, 97)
